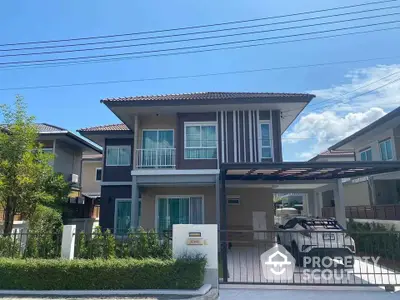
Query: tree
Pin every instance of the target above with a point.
(27, 178)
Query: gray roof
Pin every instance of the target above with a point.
(48, 128)
(394, 113)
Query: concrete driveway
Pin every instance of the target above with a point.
(316, 294)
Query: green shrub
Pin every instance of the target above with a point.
(9, 246)
(45, 233)
(50, 274)
(136, 244)
(375, 239)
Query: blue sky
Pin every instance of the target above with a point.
(77, 107)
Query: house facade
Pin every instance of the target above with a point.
(376, 196)
(161, 166)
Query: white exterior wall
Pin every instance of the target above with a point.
(373, 142)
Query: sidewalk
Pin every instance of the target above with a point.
(258, 294)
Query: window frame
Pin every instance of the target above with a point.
(116, 211)
(365, 151)
(101, 174)
(158, 130)
(388, 140)
(119, 147)
(260, 146)
(206, 123)
(158, 197)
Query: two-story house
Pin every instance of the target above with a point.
(161, 166)
(376, 196)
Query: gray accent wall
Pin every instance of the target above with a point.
(239, 138)
(107, 202)
(117, 173)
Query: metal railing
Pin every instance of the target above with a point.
(155, 158)
(29, 244)
(377, 212)
(320, 258)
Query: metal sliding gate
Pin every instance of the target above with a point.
(321, 258)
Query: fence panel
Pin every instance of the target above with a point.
(321, 257)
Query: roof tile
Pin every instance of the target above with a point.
(110, 127)
(206, 96)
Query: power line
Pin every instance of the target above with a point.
(193, 76)
(198, 26)
(192, 47)
(200, 32)
(197, 38)
(105, 60)
(349, 92)
(359, 95)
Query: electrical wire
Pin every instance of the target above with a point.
(195, 75)
(195, 47)
(203, 32)
(199, 26)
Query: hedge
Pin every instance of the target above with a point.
(98, 274)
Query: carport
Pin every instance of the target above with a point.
(289, 176)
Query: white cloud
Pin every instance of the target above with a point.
(326, 128)
(326, 121)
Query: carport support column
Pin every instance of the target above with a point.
(340, 208)
(135, 204)
(223, 239)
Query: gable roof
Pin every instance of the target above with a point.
(106, 128)
(209, 96)
(48, 128)
(333, 153)
(386, 118)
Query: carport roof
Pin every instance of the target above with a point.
(305, 170)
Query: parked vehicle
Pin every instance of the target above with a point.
(282, 215)
(304, 236)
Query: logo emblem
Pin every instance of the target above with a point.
(278, 264)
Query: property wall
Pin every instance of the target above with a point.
(107, 202)
(356, 194)
(88, 178)
(117, 173)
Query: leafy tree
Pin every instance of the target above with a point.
(26, 175)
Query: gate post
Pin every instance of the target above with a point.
(222, 227)
(68, 242)
(198, 239)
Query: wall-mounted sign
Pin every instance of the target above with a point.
(194, 242)
(195, 234)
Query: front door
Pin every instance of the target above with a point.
(260, 223)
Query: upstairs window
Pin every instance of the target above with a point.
(98, 174)
(201, 140)
(118, 155)
(386, 149)
(366, 155)
(265, 141)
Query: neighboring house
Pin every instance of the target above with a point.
(334, 155)
(377, 196)
(161, 166)
(68, 149)
(90, 178)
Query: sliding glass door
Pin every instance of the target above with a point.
(179, 210)
(158, 148)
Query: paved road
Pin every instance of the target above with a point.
(258, 294)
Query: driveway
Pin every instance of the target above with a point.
(244, 267)
(326, 294)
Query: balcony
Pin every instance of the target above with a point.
(377, 212)
(157, 158)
